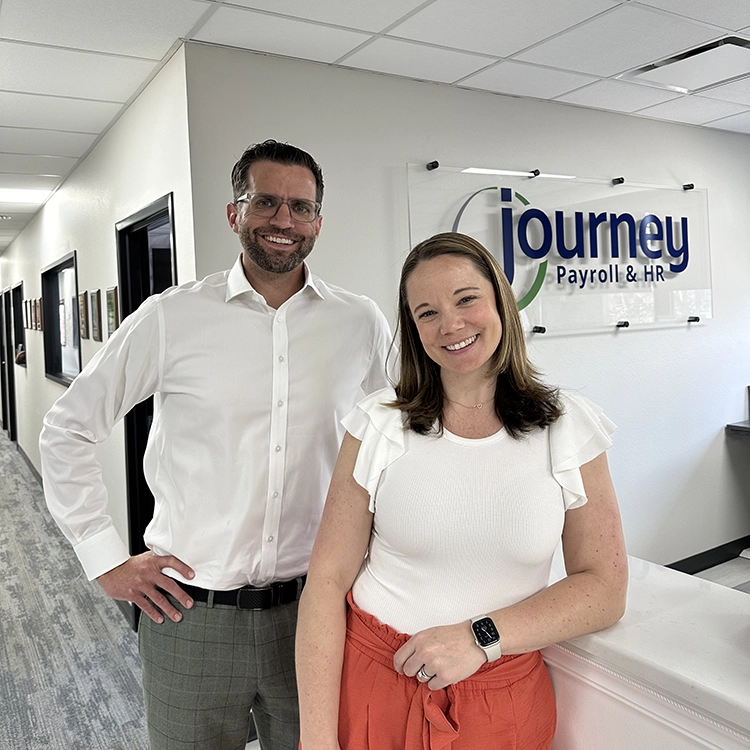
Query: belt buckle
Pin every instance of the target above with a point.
(252, 598)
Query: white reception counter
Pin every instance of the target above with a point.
(673, 674)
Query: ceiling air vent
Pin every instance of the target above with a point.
(699, 69)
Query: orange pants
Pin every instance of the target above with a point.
(508, 704)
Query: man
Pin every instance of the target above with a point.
(251, 371)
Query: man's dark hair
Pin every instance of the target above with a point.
(281, 153)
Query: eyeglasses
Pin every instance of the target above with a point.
(267, 206)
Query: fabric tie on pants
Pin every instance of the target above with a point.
(377, 702)
(430, 715)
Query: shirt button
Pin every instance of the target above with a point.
(281, 403)
(278, 448)
(275, 494)
(281, 359)
(270, 538)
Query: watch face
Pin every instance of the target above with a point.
(485, 632)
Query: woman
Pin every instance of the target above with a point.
(446, 505)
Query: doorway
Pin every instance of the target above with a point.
(146, 265)
(8, 373)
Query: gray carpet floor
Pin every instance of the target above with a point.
(69, 666)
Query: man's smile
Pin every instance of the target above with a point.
(276, 240)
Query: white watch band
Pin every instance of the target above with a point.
(493, 651)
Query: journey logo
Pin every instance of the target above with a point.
(536, 233)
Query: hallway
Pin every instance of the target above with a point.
(69, 666)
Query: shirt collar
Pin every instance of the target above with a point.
(237, 283)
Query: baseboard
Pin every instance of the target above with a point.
(31, 466)
(704, 560)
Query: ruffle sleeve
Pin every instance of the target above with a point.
(577, 437)
(380, 429)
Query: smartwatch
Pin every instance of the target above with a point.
(486, 636)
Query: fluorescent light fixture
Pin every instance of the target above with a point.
(512, 173)
(13, 195)
(706, 69)
(697, 69)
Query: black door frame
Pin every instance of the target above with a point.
(9, 375)
(134, 288)
(3, 378)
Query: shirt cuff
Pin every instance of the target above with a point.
(101, 553)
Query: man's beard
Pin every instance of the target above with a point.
(281, 263)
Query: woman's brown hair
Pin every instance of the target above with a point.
(522, 401)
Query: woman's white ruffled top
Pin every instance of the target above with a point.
(463, 526)
(579, 436)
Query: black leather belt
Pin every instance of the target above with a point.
(252, 597)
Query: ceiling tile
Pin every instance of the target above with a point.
(52, 112)
(139, 28)
(626, 38)
(738, 92)
(731, 14)
(62, 72)
(46, 142)
(520, 79)
(617, 96)
(736, 123)
(416, 61)
(694, 110)
(279, 36)
(29, 182)
(495, 27)
(32, 164)
(359, 14)
(19, 210)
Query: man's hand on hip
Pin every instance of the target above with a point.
(140, 579)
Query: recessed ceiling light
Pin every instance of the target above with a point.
(5, 217)
(14, 195)
(698, 69)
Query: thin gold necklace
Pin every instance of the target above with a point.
(476, 406)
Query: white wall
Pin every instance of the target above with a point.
(684, 487)
(143, 157)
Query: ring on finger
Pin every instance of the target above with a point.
(422, 676)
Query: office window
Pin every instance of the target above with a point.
(62, 350)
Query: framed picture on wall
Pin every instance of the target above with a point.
(96, 315)
(113, 311)
(26, 313)
(83, 314)
(32, 314)
(38, 313)
(59, 316)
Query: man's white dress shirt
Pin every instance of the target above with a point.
(247, 408)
